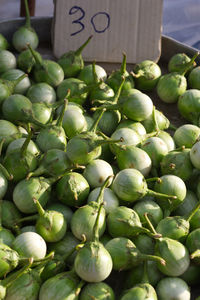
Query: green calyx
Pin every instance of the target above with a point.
(51, 225)
(72, 61)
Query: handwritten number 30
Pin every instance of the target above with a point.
(77, 9)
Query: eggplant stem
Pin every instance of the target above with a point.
(1, 144)
(52, 180)
(37, 59)
(151, 134)
(195, 254)
(118, 93)
(19, 79)
(152, 179)
(39, 171)
(155, 119)
(81, 245)
(189, 216)
(56, 104)
(96, 225)
(145, 277)
(80, 49)
(123, 65)
(180, 148)
(154, 171)
(106, 183)
(28, 20)
(100, 203)
(94, 72)
(106, 138)
(154, 258)
(61, 116)
(26, 143)
(160, 195)
(78, 289)
(106, 107)
(9, 280)
(30, 117)
(46, 258)
(108, 141)
(1, 201)
(28, 218)
(151, 227)
(99, 101)
(103, 135)
(108, 104)
(190, 63)
(5, 172)
(40, 209)
(138, 74)
(93, 128)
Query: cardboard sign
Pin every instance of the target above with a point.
(130, 26)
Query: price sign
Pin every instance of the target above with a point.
(131, 26)
(79, 15)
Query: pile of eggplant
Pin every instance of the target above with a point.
(99, 191)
